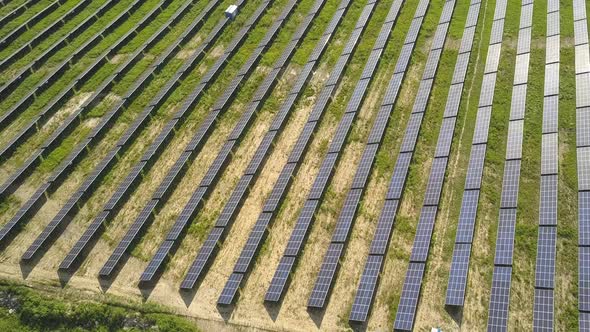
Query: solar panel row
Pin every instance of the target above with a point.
(295, 244)
(503, 259)
(43, 34)
(167, 185)
(457, 282)
(582, 67)
(346, 217)
(244, 263)
(232, 205)
(60, 171)
(16, 12)
(133, 176)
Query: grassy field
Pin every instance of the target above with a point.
(250, 312)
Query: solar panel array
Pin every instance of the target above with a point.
(224, 222)
(330, 264)
(56, 103)
(16, 12)
(583, 158)
(501, 279)
(26, 211)
(373, 265)
(294, 245)
(460, 263)
(84, 191)
(41, 35)
(193, 146)
(214, 172)
(19, 30)
(543, 313)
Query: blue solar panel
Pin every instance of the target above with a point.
(457, 284)
(324, 279)
(545, 266)
(406, 310)
(399, 176)
(435, 181)
(301, 229)
(543, 310)
(230, 290)
(421, 244)
(475, 169)
(279, 280)
(384, 228)
(500, 297)
(366, 289)
(505, 237)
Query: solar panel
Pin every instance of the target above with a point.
(453, 100)
(384, 227)
(379, 125)
(412, 131)
(487, 90)
(321, 179)
(231, 288)
(584, 218)
(398, 179)
(583, 156)
(421, 244)
(551, 79)
(553, 24)
(156, 262)
(545, 266)
(548, 200)
(278, 192)
(435, 181)
(579, 10)
(522, 68)
(550, 114)
(357, 96)
(524, 41)
(500, 297)
(301, 228)
(364, 167)
(580, 30)
(371, 64)
(279, 280)
(497, 30)
(341, 132)
(404, 58)
(472, 15)
(445, 138)
(422, 96)
(198, 265)
(584, 278)
(432, 62)
(582, 58)
(366, 289)
(253, 243)
(475, 169)
(392, 89)
(510, 184)
(514, 142)
(322, 101)
(543, 310)
(324, 279)
(346, 216)
(505, 237)
(552, 49)
(406, 310)
(468, 35)
(455, 295)
(261, 153)
(518, 104)
(493, 58)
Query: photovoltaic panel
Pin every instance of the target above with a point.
(421, 244)
(379, 125)
(550, 114)
(253, 243)
(319, 184)
(467, 40)
(583, 168)
(505, 237)
(500, 297)
(552, 79)
(475, 169)
(583, 279)
(453, 100)
(324, 280)
(545, 267)
(493, 58)
(435, 181)
(584, 321)
(412, 131)
(277, 284)
(543, 310)
(584, 218)
(279, 188)
(341, 132)
(582, 88)
(445, 137)
(455, 295)
(548, 201)
(514, 141)
(231, 288)
(582, 59)
(366, 289)
(422, 96)
(399, 175)
(487, 90)
(202, 258)
(467, 216)
(301, 228)
(346, 216)
(518, 103)
(384, 227)
(432, 62)
(404, 58)
(552, 49)
(580, 31)
(364, 168)
(404, 318)
(461, 68)
(549, 154)
(510, 184)
(524, 41)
